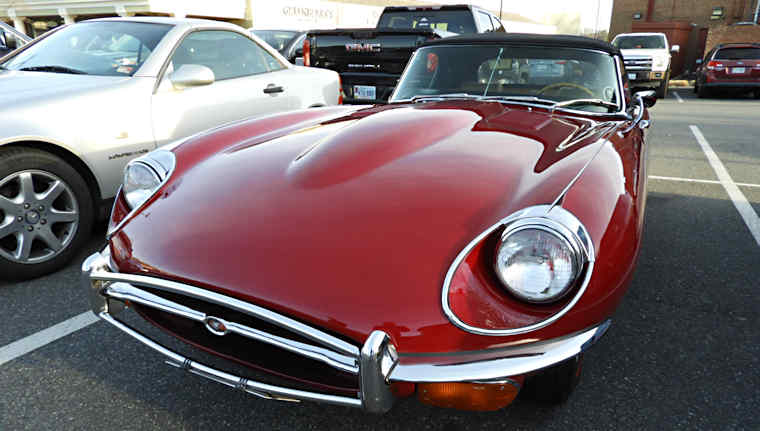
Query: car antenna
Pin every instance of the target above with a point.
(495, 65)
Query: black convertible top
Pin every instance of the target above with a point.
(548, 40)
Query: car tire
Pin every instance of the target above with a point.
(46, 213)
(662, 90)
(703, 92)
(555, 384)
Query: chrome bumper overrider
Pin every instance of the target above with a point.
(376, 363)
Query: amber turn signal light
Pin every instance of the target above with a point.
(468, 396)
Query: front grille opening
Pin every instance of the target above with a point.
(298, 372)
(238, 317)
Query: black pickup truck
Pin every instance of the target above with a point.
(370, 61)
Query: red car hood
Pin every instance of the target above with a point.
(351, 223)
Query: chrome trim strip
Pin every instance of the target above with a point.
(512, 361)
(127, 292)
(535, 214)
(226, 301)
(254, 388)
(621, 86)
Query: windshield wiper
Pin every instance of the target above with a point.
(53, 68)
(450, 96)
(532, 99)
(593, 102)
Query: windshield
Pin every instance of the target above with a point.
(456, 21)
(639, 42)
(110, 48)
(555, 75)
(277, 39)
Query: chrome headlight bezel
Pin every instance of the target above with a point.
(551, 215)
(159, 164)
(564, 238)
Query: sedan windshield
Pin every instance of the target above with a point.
(110, 48)
(532, 74)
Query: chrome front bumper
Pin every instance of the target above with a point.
(376, 364)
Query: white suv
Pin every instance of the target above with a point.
(647, 59)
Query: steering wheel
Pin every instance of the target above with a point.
(565, 85)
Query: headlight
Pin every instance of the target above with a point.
(659, 63)
(144, 175)
(537, 263)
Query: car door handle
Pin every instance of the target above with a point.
(271, 88)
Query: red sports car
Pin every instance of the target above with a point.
(468, 239)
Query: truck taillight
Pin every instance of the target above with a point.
(306, 52)
(714, 65)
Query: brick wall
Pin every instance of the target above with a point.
(731, 34)
(692, 11)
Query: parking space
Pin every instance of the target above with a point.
(683, 351)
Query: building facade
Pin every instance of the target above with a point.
(34, 17)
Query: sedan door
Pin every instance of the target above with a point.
(247, 82)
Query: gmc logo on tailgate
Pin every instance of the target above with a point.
(363, 47)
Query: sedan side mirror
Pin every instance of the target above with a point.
(675, 48)
(649, 97)
(191, 75)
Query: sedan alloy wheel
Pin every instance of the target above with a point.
(40, 216)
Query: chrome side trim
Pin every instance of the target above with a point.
(126, 292)
(535, 214)
(262, 390)
(484, 367)
(313, 334)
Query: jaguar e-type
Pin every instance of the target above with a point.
(465, 242)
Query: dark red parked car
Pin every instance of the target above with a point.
(470, 239)
(729, 67)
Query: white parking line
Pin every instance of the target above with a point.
(33, 342)
(678, 96)
(694, 180)
(737, 197)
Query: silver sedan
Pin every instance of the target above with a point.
(77, 104)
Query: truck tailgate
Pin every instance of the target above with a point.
(366, 57)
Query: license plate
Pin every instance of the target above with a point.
(365, 92)
(631, 76)
(737, 70)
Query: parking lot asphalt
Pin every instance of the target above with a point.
(683, 351)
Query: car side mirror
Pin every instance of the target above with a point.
(649, 97)
(191, 75)
(675, 48)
